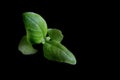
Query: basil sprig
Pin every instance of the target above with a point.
(36, 33)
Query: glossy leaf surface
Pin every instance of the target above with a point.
(36, 27)
(57, 52)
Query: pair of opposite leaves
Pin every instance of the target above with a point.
(36, 33)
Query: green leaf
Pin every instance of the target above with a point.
(36, 27)
(55, 34)
(26, 47)
(55, 51)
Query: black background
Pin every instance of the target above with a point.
(82, 24)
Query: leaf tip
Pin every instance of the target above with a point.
(72, 62)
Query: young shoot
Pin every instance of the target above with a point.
(36, 33)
